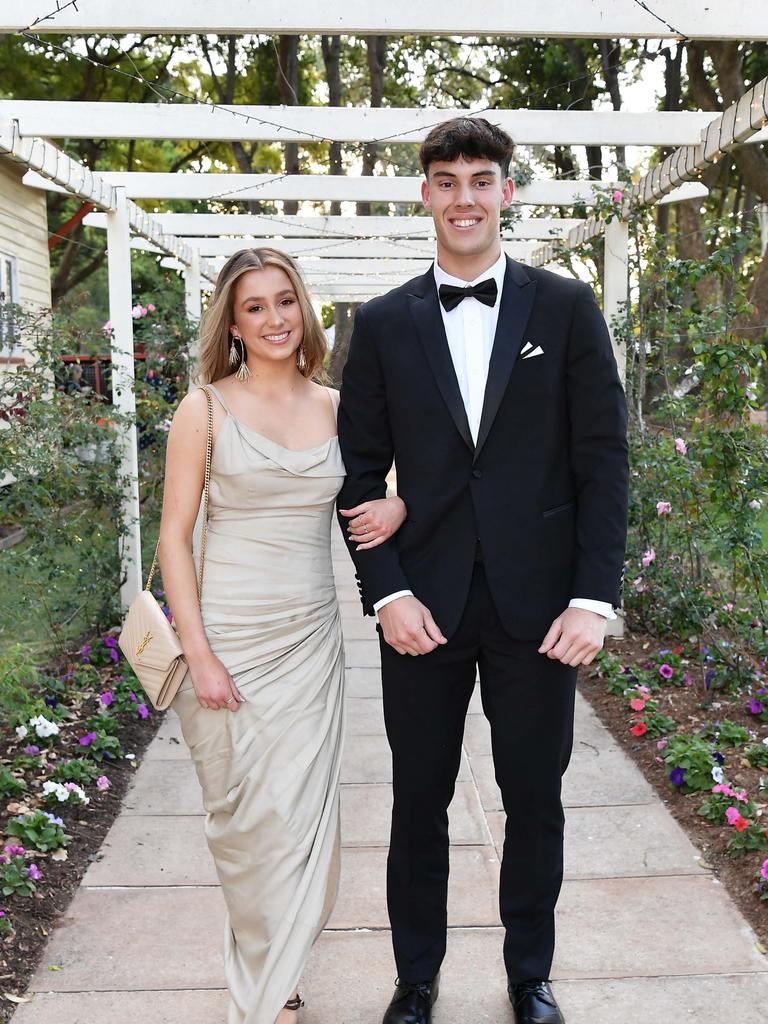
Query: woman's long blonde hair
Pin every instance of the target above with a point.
(215, 338)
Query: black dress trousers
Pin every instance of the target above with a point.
(528, 700)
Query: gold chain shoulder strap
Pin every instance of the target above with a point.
(206, 492)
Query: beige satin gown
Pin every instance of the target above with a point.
(270, 772)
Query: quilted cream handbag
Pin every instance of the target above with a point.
(148, 640)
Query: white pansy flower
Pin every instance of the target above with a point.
(21, 731)
(56, 788)
(43, 727)
(717, 774)
(63, 792)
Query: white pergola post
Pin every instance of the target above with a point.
(193, 304)
(123, 395)
(192, 297)
(615, 304)
(616, 283)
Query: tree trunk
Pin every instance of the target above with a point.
(344, 318)
(288, 80)
(332, 58)
(377, 55)
(753, 168)
(610, 54)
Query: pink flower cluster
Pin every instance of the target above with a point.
(734, 817)
(726, 790)
(139, 311)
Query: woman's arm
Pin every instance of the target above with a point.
(184, 479)
(375, 521)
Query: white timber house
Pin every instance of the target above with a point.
(25, 270)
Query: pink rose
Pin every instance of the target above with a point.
(663, 508)
(681, 446)
(648, 557)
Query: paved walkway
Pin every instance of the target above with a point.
(645, 934)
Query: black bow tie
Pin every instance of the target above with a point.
(485, 292)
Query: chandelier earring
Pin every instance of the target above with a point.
(237, 357)
(301, 358)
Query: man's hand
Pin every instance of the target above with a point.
(408, 626)
(574, 637)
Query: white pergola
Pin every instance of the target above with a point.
(351, 258)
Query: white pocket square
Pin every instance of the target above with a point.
(538, 351)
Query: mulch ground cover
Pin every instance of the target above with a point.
(694, 710)
(33, 917)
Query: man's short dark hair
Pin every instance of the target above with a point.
(467, 138)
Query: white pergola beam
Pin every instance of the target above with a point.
(89, 120)
(739, 19)
(352, 249)
(57, 171)
(740, 122)
(266, 226)
(319, 188)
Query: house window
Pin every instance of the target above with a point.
(9, 296)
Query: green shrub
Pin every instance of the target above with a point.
(10, 785)
(38, 829)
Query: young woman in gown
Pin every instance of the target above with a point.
(261, 708)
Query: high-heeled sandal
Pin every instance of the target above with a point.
(294, 1004)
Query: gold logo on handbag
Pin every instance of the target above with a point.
(144, 641)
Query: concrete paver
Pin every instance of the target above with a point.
(615, 842)
(129, 855)
(142, 938)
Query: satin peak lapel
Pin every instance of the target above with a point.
(425, 309)
(517, 298)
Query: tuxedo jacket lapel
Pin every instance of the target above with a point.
(517, 298)
(425, 308)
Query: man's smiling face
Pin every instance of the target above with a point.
(465, 198)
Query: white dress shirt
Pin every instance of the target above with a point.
(470, 329)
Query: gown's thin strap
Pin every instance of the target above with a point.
(218, 394)
(335, 398)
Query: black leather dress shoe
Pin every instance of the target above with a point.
(534, 1003)
(412, 1004)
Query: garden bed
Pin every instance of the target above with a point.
(84, 722)
(682, 704)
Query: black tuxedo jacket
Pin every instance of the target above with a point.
(544, 490)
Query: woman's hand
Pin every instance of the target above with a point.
(214, 687)
(375, 521)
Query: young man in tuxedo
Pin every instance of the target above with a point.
(494, 389)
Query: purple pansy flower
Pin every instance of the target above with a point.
(677, 776)
(666, 671)
(143, 710)
(106, 698)
(34, 872)
(755, 706)
(31, 750)
(87, 740)
(85, 652)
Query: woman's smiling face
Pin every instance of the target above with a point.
(267, 316)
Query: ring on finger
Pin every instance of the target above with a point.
(365, 528)
(229, 700)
